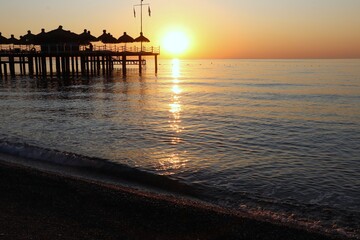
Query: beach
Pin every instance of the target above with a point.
(39, 205)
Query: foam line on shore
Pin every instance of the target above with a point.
(91, 168)
(106, 172)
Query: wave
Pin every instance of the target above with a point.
(93, 167)
(327, 219)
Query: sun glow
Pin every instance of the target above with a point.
(175, 42)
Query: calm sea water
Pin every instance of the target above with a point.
(278, 138)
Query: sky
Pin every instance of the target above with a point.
(214, 28)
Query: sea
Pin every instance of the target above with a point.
(276, 139)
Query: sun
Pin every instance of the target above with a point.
(175, 42)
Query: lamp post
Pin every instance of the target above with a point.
(141, 15)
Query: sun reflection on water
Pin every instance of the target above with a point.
(175, 104)
(175, 160)
(176, 90)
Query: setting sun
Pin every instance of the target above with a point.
(175, 42)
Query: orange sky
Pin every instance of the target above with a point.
(216, 28)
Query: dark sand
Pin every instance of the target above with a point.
(39, 205)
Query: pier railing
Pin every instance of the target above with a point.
(114, 48)
(19, 48)
(109, 48)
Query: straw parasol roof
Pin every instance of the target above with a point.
(125, 39)
(141, 38)
(3, 40)
(107, 38)
(102, 36)
(28, 39)
(86, 37)
(40, 37)
(58, 35)
(13, 40)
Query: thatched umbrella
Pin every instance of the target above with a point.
(3, 40)
(60, 35)
(13, 40)
(102, 36)
(40, 37)
(141, 38)
(125, 39)
(86, 37)
(28, 39)
(57, 40)
(107, 38)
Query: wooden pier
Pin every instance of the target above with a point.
(72, 63)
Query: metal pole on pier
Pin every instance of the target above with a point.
(141, 5)
(141, 29)
(141, 16)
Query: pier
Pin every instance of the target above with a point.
(61, 53)
(72, 63)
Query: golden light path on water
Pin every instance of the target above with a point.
(174, 160)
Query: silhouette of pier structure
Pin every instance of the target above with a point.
(60, 53)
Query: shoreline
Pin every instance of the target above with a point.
(39, 205)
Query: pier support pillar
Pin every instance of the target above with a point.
(124, 65)
(57, 62)
(140, 66)
(51, 66)
(21, 66)
(92, 65)
(63, 65)
(43, 66)
(12, 66)
(68, 69)
(82, 65)
(73, 65)
(36, 66)
(156, 65)
(1, 72)
(77, 65)
(87, 66)
(24, 65)
(98, 65)
(5, 70)
(107, 65)
(103, 64)
(31, 66)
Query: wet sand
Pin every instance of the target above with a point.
(39, 205)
